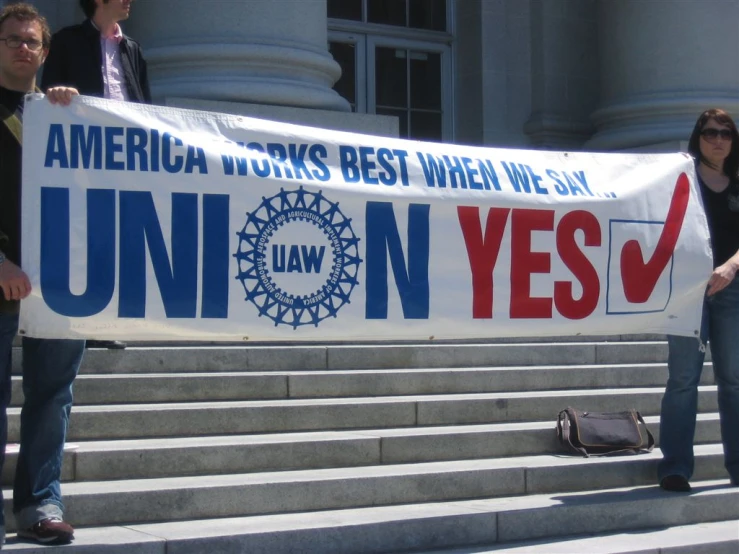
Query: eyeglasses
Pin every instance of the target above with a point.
(15, 42)
(713, 134)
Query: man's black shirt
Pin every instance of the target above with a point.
(10, 188)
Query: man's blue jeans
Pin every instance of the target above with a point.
(720, 328)
(49, 369)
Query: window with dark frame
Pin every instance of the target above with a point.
(407, 82)
(414, 14)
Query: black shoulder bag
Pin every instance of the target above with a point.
(603, 433)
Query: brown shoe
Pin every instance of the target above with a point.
(51, 530)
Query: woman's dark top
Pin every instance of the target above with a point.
(722, 213)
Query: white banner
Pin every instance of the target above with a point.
(144, 222)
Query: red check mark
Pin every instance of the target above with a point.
(640, 277)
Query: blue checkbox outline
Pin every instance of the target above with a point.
(608, 268)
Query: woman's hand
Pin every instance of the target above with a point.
(721, 277)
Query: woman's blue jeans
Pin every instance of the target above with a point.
(49, 369)
(720, 328)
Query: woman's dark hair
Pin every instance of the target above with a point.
(89, 7)
(731, 163)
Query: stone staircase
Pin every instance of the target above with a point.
(375, 448)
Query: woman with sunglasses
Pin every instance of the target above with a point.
(714, 144)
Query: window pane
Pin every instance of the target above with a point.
(391, 77)
(427, 14)
(345, 9)
(425, 80)
(345, 55)
(425, 126)
(402, 116)
(389, 12)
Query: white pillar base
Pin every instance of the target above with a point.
(369, 124)
(655, 118)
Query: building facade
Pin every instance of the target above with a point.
(558, 74)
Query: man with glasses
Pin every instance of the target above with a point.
(49, 366)
(97, 59)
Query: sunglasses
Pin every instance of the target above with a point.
(713, 134)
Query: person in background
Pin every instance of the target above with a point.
(97, 59)
(714, 144)
(49, 366)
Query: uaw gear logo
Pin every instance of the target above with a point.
(298, 258)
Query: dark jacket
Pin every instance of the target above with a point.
(10, 190)
(76, 59)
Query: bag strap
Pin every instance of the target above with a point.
(650, 438)
(563, 430)
(13, 123)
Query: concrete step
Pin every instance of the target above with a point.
(721, 537)
(172, 387)
(386, 447)
(212, 496)
(640, 337)
(313, 384)
(486, 340)
(706, 518)
(211, 455)
(126, 421)
(374, 356)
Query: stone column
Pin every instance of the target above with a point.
(248, 51)
(492, 72)
(661, 64)
(564, 72)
